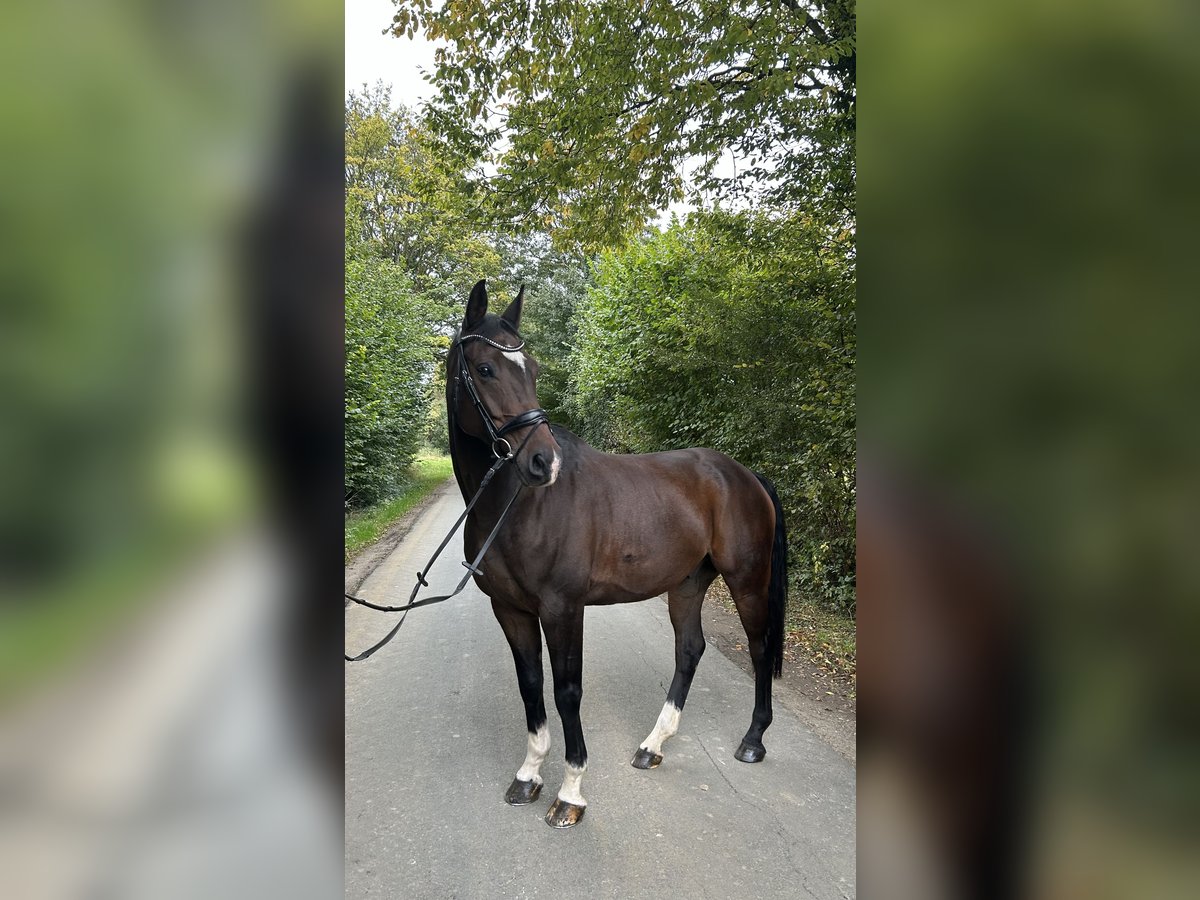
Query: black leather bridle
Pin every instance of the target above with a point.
(529, 417)
(533, 417)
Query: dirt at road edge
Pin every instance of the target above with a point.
(370, 557)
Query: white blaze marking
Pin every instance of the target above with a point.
(539, 746)
(517, 357)
(555, 468)
(667, 725)
(569, 792)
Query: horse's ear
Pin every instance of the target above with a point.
(512, 312)
(476, 305)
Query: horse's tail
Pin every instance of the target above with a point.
(777, 592)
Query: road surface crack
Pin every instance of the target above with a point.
(766, 811)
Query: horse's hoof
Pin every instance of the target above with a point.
(748, 753)
(563, 814)
(644, 759)
(521, 792)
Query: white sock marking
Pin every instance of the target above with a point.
(667, 725)
(569, 792)
(539, 746)
(517, 357)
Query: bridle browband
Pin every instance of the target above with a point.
(529, 417)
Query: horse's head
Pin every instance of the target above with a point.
(488, 374)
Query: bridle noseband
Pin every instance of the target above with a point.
(529, 417)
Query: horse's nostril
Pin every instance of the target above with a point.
(537, 465)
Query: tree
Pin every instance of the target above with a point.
(581, 116)
(414, 248)
(410, 201)
(558, 281)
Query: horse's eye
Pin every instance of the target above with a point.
(486, 371)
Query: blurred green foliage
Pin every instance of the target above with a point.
(131, 144)
(1028, 192)
(136, 142)
(107, 258)
(735, 331)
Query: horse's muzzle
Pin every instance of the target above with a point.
(539, 465)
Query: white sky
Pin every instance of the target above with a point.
(371, 56)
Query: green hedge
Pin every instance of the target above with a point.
(735, 331)
(389, 362)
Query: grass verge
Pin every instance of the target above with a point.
(365, 526)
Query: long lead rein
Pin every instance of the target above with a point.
(534, 417)
(472, 568)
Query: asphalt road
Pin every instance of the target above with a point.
(435, 731)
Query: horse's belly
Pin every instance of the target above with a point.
(634, 576)
(649, 547)
(608, 595)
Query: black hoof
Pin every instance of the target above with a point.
(644, 759)
(750, 753)
(521, 792)
(563, 814)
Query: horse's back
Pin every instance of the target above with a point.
(707, 479)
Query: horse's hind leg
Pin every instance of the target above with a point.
(521, 629)
(752, 608)
(683, 604)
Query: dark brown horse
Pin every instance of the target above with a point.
(594, 528)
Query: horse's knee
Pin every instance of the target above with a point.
(568, 696)
(529, 680)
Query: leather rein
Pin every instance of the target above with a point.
(530, 417)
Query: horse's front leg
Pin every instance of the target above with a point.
(564, 639)
(521, 629)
